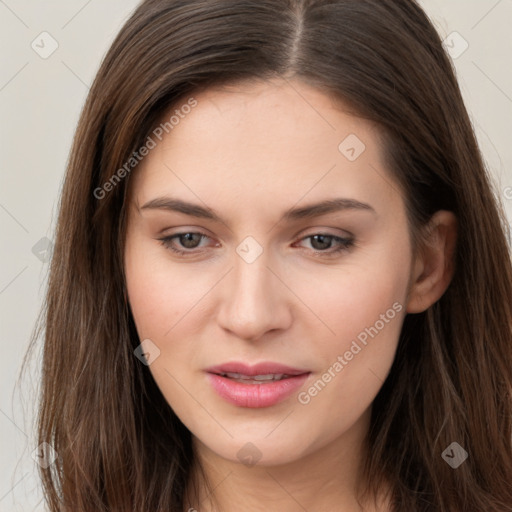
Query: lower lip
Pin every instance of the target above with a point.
(256, 395)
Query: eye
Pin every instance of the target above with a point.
(323, 243)
(187, 242)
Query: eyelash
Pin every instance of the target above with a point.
(344, 243)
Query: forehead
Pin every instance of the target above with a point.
(265, 142)
(283, 118)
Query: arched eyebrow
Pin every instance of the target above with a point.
(303, 212)
(325, 207)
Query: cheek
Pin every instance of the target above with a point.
(161, 294)
(350, 298)
(357, 360)
(363, 306)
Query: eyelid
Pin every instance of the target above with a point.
(298, 236)
(337, 232)
(166, 241)
(344, 243)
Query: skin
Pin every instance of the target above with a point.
(249, 152)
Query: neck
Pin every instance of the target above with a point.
(326, 479)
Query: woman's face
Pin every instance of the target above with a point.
(274, 329)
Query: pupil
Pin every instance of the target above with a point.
(188, 240)
(325, 241)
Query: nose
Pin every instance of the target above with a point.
(254, 300)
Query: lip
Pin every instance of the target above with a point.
(255, 369)
(251, 395)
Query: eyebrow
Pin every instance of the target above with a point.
(304, 212)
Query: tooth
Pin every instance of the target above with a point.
(277, 376)
(236, 376)
(255, 378)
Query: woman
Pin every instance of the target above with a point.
(280, 278)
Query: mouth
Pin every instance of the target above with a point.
(255, 379)
(257, 386)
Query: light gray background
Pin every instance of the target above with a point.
(40, 100)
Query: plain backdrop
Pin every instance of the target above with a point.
(41, 95)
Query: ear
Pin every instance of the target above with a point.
(434, 264)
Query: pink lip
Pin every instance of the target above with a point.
(256, 395)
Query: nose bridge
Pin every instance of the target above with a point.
(254, 301)
(252, 280)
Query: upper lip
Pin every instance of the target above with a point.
(265, 368)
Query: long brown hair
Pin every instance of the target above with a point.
(121, 447)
